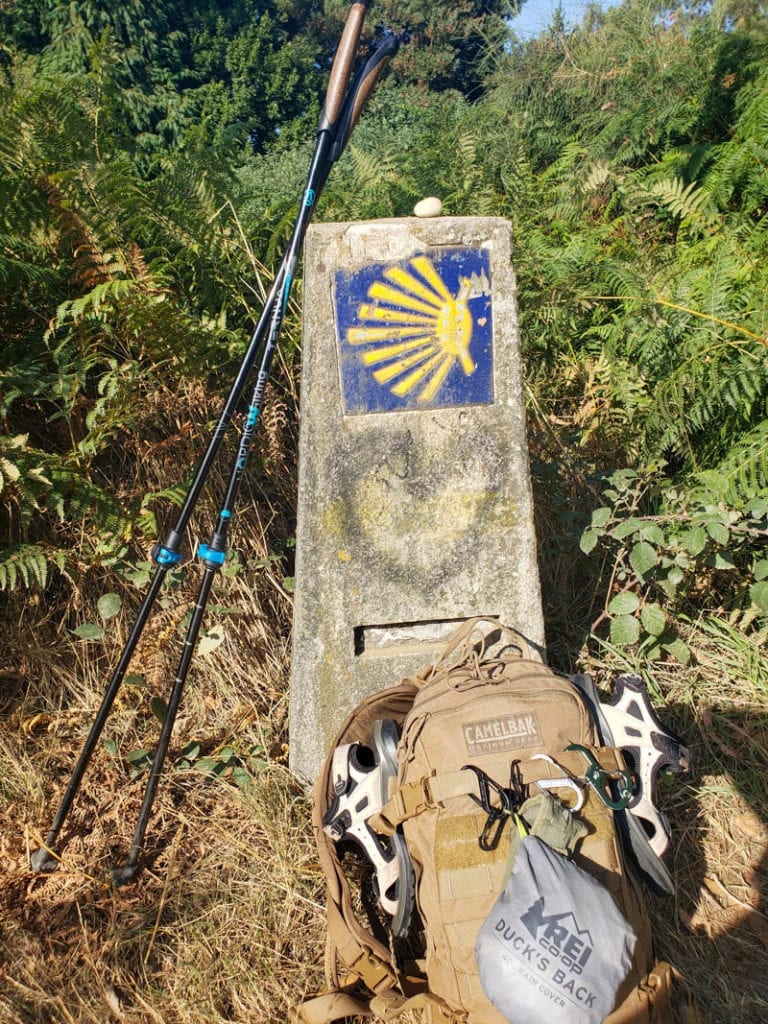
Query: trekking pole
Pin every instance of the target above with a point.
(343, 107)
(165, 557)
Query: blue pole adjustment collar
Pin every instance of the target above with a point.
(209, 554)
(165, 556)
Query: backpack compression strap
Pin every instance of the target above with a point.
(413, 798)
(340, 1004)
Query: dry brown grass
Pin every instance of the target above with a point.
(222, 925)
(226, 920)
(716, 927)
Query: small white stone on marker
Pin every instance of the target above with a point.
(429, 207)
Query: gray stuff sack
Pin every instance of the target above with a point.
(555, 948)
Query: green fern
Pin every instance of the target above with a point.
(28, 565)
(691, 204)
(97, 304)
(372, 177)
(740, 172)
(746, 466)
(697, 397)
(24, 478)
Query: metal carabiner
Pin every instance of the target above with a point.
(494, 824)
(564, 782)
(600, 778)
(486, 785)
(517, 791)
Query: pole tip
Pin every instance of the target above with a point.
(125, 874)
(43, 860)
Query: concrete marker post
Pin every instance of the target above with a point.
(415, 508)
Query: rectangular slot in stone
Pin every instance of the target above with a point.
(406, 636)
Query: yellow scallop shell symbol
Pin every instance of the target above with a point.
(418, 330)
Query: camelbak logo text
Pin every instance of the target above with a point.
(510, 733)
(559, 935)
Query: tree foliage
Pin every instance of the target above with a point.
(251, 73)
(147, 153)
(634, 171)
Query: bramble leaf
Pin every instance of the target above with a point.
(625, 630)
(588, 541)
(109, 605)
(653, 619)
(89, 631)
(643, 557)
(624, 603)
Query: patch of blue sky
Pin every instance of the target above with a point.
(536, 16)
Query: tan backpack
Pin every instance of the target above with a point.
(465, 721)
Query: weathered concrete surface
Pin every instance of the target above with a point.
(417, 516)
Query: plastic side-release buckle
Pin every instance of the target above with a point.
(377, 975)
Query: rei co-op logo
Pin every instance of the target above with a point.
(553, 953)
(559, 935)
(510, 732)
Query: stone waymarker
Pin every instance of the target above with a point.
(415, 507)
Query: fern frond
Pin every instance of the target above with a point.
(597, 176)
(623, 280)
(714, 392)
(24, 477)
(691, 204)
(96, 304)
(369, 172)
(746, 466)
(28, 565)
(682, 201)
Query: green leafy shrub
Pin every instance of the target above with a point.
(670, 550)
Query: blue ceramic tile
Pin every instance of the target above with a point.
(416, 334)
